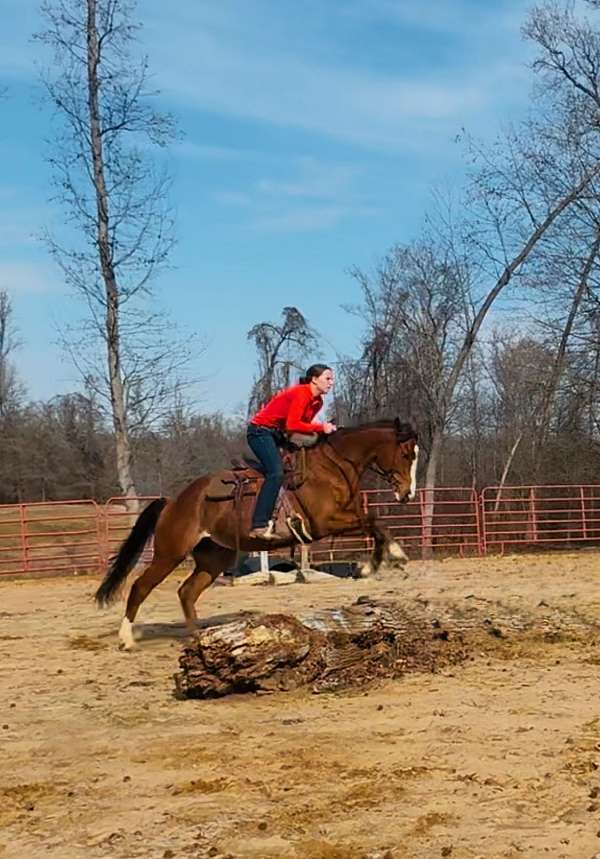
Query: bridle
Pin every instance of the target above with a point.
(390, 475)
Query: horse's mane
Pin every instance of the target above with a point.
(404, 431)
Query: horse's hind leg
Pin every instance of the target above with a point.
(152, 576)
(211, 560)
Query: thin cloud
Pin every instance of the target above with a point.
(205, 152)
(438, 17)
(361, 108)
(21, 276)
(234, 65)
(308, 219)
(294, 68)
(315, 180)
(21, 227)
(232, 198)
(317, 196)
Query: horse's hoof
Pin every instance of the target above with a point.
(396, 553)
(126, 635)
(126, 648)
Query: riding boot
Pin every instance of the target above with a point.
(266, 532)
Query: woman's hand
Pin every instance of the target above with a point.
(329, 428)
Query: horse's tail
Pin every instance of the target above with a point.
(131, 548)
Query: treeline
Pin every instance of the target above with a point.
(64, 449)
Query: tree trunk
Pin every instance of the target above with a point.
(429, 495)
(340, 647)
(113, 343)
(507, 465)
(559, 361)
(330, 649)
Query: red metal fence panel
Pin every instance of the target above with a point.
(451, 525)
(80, 536)
(53, 537)
(539, 515)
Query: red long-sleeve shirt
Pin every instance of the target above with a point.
(291, 410)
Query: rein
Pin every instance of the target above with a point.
(335, 460)
(390, 475)
(387, 474)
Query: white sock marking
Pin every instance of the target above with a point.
(126, 634)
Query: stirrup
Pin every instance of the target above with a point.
(299, 530)
(269, 532)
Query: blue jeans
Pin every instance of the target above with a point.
(263, 444)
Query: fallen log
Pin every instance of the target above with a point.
(352, 646)
(328, 649)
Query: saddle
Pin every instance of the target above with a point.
(294, 467)
(293, 454)
(243, 483)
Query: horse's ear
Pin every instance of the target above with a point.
(404, 431)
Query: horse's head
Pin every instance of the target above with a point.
(396, 460)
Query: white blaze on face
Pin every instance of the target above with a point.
(413, 475)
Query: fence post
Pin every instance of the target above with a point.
(422, 516)
(533, 516)
(365, 507)
(264, 562)
(23, 534)
(103, 544)
(480, 507)
(583, 520)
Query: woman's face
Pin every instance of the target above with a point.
(324, 382)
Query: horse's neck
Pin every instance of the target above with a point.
(355, 448)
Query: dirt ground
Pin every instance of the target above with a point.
(499, 757)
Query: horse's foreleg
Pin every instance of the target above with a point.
(385, 549)
(392, 550)
(211, 560)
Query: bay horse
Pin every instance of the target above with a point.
(213, 530)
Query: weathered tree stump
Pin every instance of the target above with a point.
(329, 649)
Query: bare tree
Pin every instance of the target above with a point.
(568, 67)
(440, 308)
(11, 390)
(280, 347)
(116, 200)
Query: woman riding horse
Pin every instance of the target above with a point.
(292, 410)
(197, 523)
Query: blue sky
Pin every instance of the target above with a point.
(313, 134)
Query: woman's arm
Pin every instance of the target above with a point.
(296, 416)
